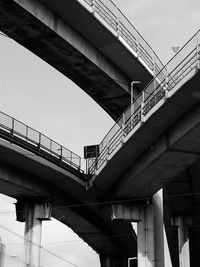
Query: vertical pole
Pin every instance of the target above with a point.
(32, 243)
(132, 9)
(2, 253)
(159, 229)
(183, 241)
(123, 127)
(145, 236)
(198, 52)
(142, 107)
(166, 86)
(93, 6)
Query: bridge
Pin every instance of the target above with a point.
(101, 65)
(157, 136)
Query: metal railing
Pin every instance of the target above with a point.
(112, 15)
(36, 142)
(176, 72)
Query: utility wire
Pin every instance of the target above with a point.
(51, 253)
(132, 200)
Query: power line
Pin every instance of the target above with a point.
(40, 247)
(112, 202)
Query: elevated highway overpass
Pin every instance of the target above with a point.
(153, 145)
(132, 165)
(34, 167)
(90, 42)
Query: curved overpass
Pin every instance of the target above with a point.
(92, 44)
(33, 166)
(155, 144)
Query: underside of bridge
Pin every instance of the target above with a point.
(72, 40)
(29, 177)
(169, 158)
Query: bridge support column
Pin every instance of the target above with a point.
(108, 260)
(2, 253)
(144, 216)
(159, 230)
(183, 240)
(33, 212)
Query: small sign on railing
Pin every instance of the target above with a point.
(91, 151)
(91, 154)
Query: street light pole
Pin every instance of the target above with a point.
(132, 84)
(132, 12)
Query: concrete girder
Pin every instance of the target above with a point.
(35, 26)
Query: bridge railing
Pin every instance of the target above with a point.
(14, 130)
(112, 15)
(176, 72)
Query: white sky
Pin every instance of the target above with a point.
(39, 96)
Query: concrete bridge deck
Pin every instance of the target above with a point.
(158, 136)
(32, 166)
(80, 42)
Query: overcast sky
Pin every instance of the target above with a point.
(38, 95)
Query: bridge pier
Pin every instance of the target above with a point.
(183, 240)
(32, 212)
(2, 253)
(110, 260)
(143, 214)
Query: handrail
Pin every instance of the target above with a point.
(124, 30)
(30, 139)
(177, 71)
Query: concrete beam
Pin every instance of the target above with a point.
(34, 212)
(42, 31)
(144, 216)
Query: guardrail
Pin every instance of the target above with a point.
(112, 15)
(176, 72)
(34, 141)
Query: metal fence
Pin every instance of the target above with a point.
(176, 72)
(112, 15)
(17, 131)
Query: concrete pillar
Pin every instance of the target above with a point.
(183, 240)
(33, 212)
(143, 214)
(2, 254)
(159, 230)
(145, 237)
(109, 260)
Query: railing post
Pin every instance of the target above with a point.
(39, 141)
(13, 125)
(61, 152)
(198, 52)
(123, 127)
(166, 87)
(142, 108)
(154, 69)
(93, 6)
(26, 133)
(107, 154)
(117, 27)
(50, 146)
(138, 49)
(132, 115)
